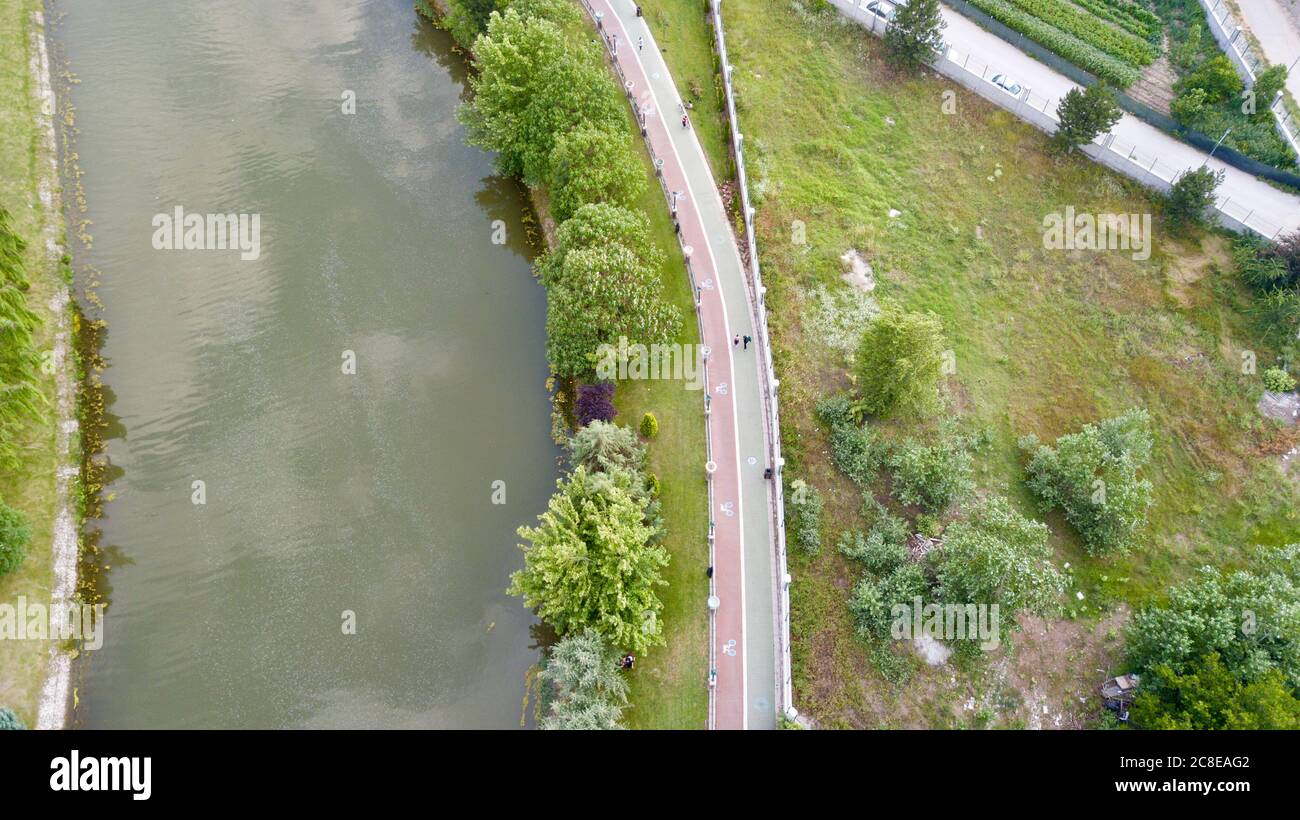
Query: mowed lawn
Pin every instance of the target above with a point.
(1045, 340)
(30, 488)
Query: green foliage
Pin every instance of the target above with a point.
(883, 549)
(855, 448)
(899, 362)
(934, 476)
(997, 556)
(1084, 114)
(467, 19)
(649, 425)
(1078, 51)
(803, 514)
(1278, 380)
(591, 164)
(1070, 20)
(15, 535)
(1192, 195)
(533, 85)
(591, 562)
(20, 400)
(604, 447)
(1249, 618)
(9, 720)
(1216, 77)
(589, 690)
(1268, 83)
(1207, 695)
(872, 601)
(1093, 476)
(1129, 16)
(1186, 53)
(915, 34)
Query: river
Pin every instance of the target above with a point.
(329, 497)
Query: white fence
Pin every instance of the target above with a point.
(1128, 159)
(1234, 43)
(785, 682)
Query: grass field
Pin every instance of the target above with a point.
(1045, 341)
(30, 489)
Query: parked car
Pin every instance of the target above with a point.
(1008, 85)
(884, 11)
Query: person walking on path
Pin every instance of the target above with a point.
(640, 41)
(748, 339)
(686, 123)
(736, 340)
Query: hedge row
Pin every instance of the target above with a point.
(1085, 56)
(1073, 20)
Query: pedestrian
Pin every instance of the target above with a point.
(748, 339)
(628, 661)
(638, 11)
(686, 123)
(709, 572)
(640, 41)
(736, 340)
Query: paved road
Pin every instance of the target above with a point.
(1152, 143)
(1278, 35)
(745, 638)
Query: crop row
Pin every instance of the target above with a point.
(1147, 26)
(1073, 20)
(1084, 55)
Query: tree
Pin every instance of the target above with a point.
(1216, 77)
(915, 34)
(596, 226)
(589, 691)
(1192, 195)
(1208, 696)
(873, 600)
(1267, 85)
(899, 362)
(649, 425)
(590, 562)
(997, 556)
(932, 477)
(467, 19)
(597, 295)
(590, 165)
(14, 537)
(604, 447)
(1093, 476)
(533, 85)
(1084, 114)
(9, 720)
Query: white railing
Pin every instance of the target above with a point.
(973, 72)
(769, 380)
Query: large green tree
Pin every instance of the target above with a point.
(997, 556)
(533, 85)
(899, 362)
(603, 446)
(591, 164)
(589, 690)
(590, 562)
(1094, 476)
(1207, 695)
(1084, 114)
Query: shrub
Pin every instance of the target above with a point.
(1093, 476)
(1278, 380)
(467, 19)
(9, 720)
(855, 449)
(1216, 77)
(14, 537)
(899, 362)
(872, 602)
(649, 425)
(1192, 195)
(595, 403)
(602, 446)
(932, 477)
(1267, 85)
(803, 513)
(883, 549)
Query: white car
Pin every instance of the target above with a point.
(884, 11)
(1008, 85)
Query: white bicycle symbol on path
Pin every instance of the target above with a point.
(729, 648)
(721, 389)
(707, 284)
(728, 508)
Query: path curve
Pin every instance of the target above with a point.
(743, 649)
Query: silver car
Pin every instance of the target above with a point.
(1008, 85)
(884, 11)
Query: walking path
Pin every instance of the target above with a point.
(1278, 34)
(744, 638)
